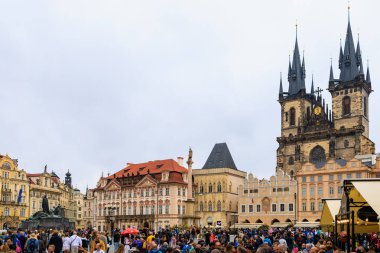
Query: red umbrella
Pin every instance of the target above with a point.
(130, 231)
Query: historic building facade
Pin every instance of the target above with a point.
(57, 192)
(89, 209)
(218, 182)
(14, 201)
(310, 132)
(153, 194)
(78, 202)
(269, 202)
(317, 182)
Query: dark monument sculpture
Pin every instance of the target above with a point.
(47, 219)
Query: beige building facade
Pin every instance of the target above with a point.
(58, 192)
(78, 200)
(269, 202)
(14, 201)
(89, 209)
(325, 182)
(216, 196)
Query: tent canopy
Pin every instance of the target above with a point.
(368, 189)
(330, 209)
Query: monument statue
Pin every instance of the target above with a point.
(45, 205)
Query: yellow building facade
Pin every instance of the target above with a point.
(14, 202)
(216, 197)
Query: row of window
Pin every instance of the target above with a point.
(320, 190)
(274, 208)
(211, 206)
(149, 192)
(331, 177)
(210, 188)
(312, 206)
(143, 210)
(7, 212)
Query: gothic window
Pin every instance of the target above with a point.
(292, 116)
(291, 160)
(365, 106)
(219, 187)
(219, 206)
(210, 187)
(209, 206)
(317, 154)
(346, 105)
(308, 113)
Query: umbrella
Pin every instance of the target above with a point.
(130, 231)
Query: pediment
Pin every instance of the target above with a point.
(147, 181)
(113, 185)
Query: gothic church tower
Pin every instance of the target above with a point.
(310, 132)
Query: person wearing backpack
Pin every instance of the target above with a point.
(31, 245)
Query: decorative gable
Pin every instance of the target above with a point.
(147, 181)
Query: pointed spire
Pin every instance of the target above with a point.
(331, 72)
(281, 91)
(359, 58)
(297, 71)
(312, 85)
(349, 68)
(303, 66)
(368, 77)
(340, 55)
(289, 70)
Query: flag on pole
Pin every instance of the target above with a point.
(19, 196)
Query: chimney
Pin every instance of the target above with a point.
(180, 160)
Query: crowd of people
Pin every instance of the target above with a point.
(193, 240)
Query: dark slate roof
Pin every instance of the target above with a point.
(296, 72)
(220, 157)
(348, 62)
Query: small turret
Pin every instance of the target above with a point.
(281, 91)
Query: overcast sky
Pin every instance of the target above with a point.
(91, 85)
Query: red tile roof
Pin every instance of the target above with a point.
(154, 167)
(33, 175)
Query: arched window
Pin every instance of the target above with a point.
(6, 211)
(292, 116)
(219, 187)
(308, 113)
(201, 206)
(210, 187)
(219, 206)
(201, 188)
(210, 206)
(317, 154)
(365, 106)
(346, 105)
(291, 160)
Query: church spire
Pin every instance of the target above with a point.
(281, 91)
(349, 64)
(312, 85)
(359, 58)
(331, 72)
(297, 71)
(368, 77)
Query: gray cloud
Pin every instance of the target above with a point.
(89, 85)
